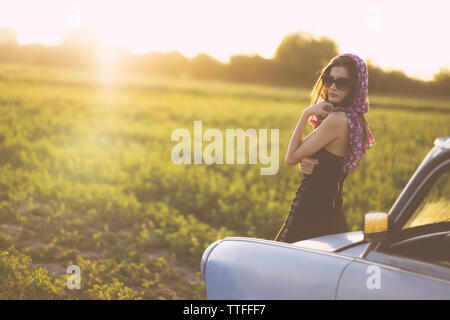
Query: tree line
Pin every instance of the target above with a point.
(296, 63)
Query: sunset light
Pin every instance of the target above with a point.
(199, 150)
(388, 33)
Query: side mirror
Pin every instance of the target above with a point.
(375, 226)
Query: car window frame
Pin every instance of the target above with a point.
(379, 253)
(396, 233)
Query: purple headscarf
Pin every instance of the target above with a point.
(360, 104)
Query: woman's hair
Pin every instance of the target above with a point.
(319, 90)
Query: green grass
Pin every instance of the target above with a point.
(86, 177)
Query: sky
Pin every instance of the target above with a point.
(396, 35)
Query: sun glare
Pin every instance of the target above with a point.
(107, 66)
(224, 28)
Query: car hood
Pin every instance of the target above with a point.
(332, 242)
(325, 243)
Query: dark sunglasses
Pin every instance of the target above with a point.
(341, 83)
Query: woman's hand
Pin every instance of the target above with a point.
(322, 108)
(306, 165)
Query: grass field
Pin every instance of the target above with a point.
(86, 177)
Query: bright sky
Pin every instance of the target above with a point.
(401, 35)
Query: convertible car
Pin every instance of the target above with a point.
(402, 254)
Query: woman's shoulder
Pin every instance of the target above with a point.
(339, 114)
(341, 123)
(338, 117)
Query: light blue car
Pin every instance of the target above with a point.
(402, 254)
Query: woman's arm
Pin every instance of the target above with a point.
(297, 137)
(325, 133)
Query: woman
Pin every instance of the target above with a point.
(331, 151)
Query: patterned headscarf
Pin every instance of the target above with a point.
(360, 104)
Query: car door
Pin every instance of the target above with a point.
(364, 279)
(414, 261)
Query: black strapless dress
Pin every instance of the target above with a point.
(316, 209)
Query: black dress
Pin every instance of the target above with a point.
(316, 209)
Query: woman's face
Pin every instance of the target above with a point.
(335, 95)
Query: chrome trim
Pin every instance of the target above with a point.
(443, 142)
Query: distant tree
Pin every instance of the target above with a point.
(394, 82)
(8, 45)
(442, 82)
(300, 57)
(170, 63)
(205, 67)
(443, 76)
(252, 69)
(8, 37)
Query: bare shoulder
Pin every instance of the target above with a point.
(339, 122)
(339, 115)
(338, 118)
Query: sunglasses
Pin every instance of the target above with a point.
(341, 83)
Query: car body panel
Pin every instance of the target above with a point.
(248, 268)
(355, 251)
(332, 242)
(357, 282)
